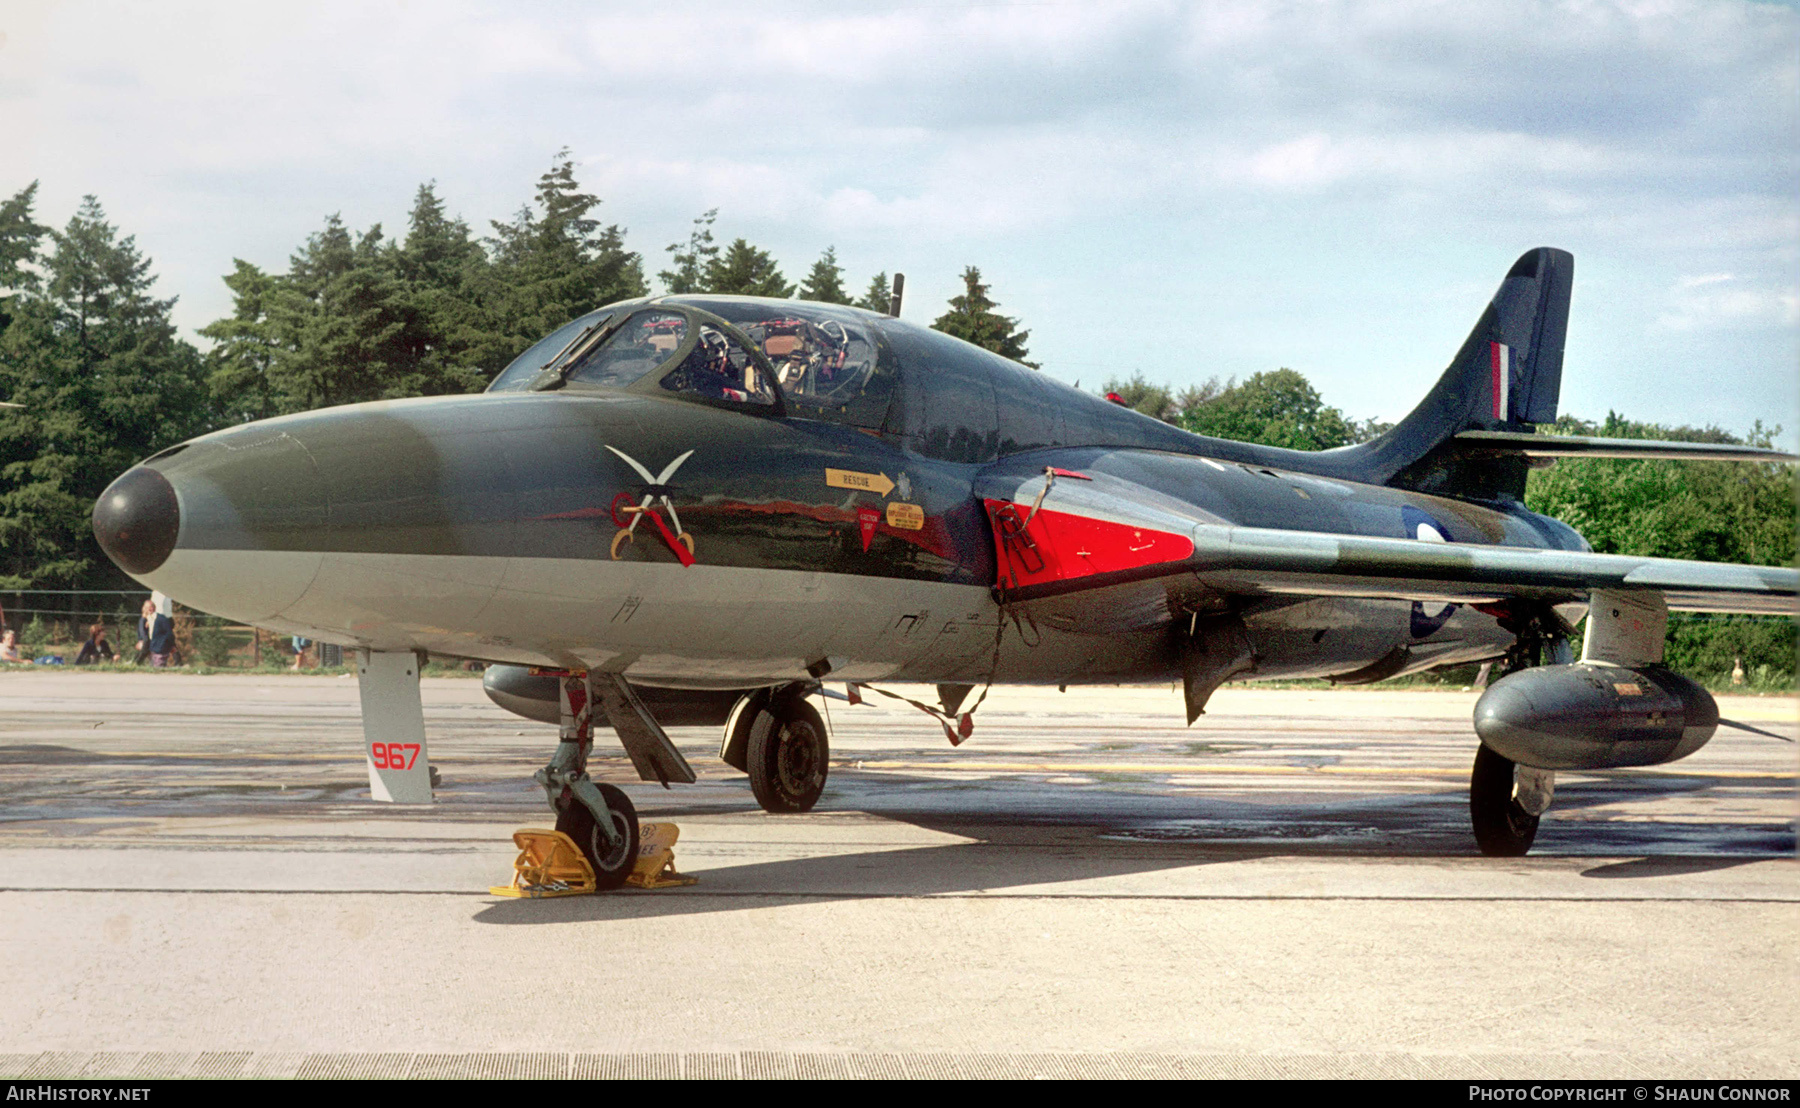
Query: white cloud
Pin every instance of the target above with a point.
(1345, 160)
(1720, 301)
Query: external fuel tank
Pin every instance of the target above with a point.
(1595, 716)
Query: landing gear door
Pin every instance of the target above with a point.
(394, 726)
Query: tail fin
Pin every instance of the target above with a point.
(1506, 377)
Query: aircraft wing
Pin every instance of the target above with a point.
(1096, 532)
(1241, 558)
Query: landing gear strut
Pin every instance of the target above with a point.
(788, 755)
(599, 818)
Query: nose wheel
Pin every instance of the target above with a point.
(599, 819)
(788, 756)
(612, 860)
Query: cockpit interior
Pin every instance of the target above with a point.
(820, 356)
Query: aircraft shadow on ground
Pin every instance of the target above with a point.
(1049, 852)
(1672, 866)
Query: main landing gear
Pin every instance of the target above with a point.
(599, 818)
(1505, 801)
(779, 739)
(1505, 798)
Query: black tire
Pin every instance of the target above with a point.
(788, 756)
(574, 820)
(1503, 828)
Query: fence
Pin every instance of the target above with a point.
(54, 623)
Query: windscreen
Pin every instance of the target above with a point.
(519, 373)
(644, 341)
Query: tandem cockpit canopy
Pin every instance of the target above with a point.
(824, 360)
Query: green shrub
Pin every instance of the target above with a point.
(1704, 646)
(212, 643)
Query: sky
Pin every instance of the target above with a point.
(1179, 190)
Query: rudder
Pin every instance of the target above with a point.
(1525, 345)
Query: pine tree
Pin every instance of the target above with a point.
(553, 265)
(443, 267)
(880, 297)
(826, 281)
(744, 270)
(354, 346)
(336, 326)
(20, 240)
(438, 250)
(972, 318)
(346, 324)
(692, 262)
(241, 373)
(104, 381)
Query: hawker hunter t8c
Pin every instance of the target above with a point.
(697, 509)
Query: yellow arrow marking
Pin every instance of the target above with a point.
(851, 479)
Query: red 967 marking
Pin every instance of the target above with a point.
(394, 755)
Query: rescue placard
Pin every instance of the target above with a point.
(851, 479)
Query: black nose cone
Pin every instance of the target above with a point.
(137, 520)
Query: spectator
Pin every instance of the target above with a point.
(96, 649)
(156, 636)
(9, 646)
(300, 645)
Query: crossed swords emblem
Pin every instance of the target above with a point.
(655, 488)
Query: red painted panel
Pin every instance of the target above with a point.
(1059, 546)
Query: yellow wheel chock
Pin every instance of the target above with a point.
(655, 867)
(550, 864)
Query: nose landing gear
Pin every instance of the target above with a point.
(599, 818)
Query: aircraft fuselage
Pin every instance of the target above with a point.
(514, 527)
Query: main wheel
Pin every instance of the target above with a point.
(787, 756)
(1503, 828)
(611, 867)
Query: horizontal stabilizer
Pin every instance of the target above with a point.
(1578, 446)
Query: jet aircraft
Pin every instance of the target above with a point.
(698, 509)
